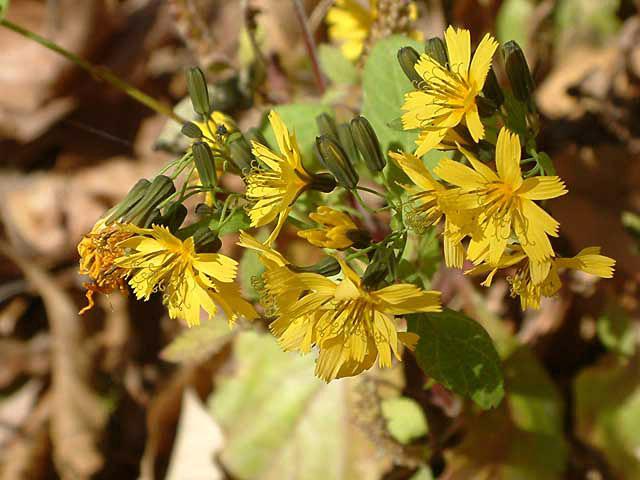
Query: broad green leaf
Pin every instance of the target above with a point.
(523, 438)
(336, 66)
(249, 271)
(512, 22)
(239, 220)
(4, 6)
(586, 21)
(198, 342)
(617, 332)
(301, 119)
(458, 353)
(280, 421)
(607, 412)
(405, 419)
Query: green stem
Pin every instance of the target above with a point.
(370, 190)
(98, 72)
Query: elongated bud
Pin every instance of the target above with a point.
(360, 238)
(198, 92)
(241, 155)
(367, 142)
(327, 126)
(204, 210)
(345, 139)
(155, 218)
(133, 197)
(173, 217)
(407, 58)
(437, 50)
(205, 164)
(328, 267)
(191, 130)
(486, 107)
(518, 72)
(381, 265)
(160, 189)
(492, 89)
(206, 241)
(334, 159)
(322, 182)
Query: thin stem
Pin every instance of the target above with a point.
(371, 190)
(361, 202)
(362, 252)
(98, 72)
(310, 44)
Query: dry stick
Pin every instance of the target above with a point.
(98, 72)
(310, 44)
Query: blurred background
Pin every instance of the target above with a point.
(125, 392)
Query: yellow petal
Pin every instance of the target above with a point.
(458, 174)
(488, 174)
(403, 298)
(459, 50)
(217, 266)
(474, 124)
(415, 169)
(508, 158)
(481, 62)
(542, 188)
(590, 261)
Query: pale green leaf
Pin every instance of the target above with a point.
(4, 6)
(512, 22)
(336, 66)
(238, 220)
(280, 421)
(458, 353)
(198, 342)
(617, 332)
(405, 419)
(424, 473)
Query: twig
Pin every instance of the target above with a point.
(318, 14)
(310, 44)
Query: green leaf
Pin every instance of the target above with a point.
(458, 353)
(4, 6)
(423, 474)
(238, 220)
(522, 439)
(301, 119)
(616, 331)
(512, 22)
(281, 422)
(546, 163)
(607, 412)
(198, 342)
(588, 21)
(336, 66)
(405, 419)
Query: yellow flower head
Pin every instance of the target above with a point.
(189, 281)
(337, 229)
(507, 203)
(588, 260)
(448, 95)
(276, 184)
(352, 23)
(430, 202)
(217, 128)
(350, 324)
(98, 251)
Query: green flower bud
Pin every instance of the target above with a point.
(173, 217)
(206, 241)
(367, 142)
(241, 155)
(492, 90)
(160, 189)
(407, 58)
(345, 138)
(191, 130)
(322, 182)
(203, 210)
(486, 106)
(381, 265)
(334, 159)
(328, 267)
(437, 50)
(133, 197)
(360, 238)
(155, 218)
(518, 72)
(205, 164)
(327, 126)
(198, 92)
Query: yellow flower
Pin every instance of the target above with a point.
(98, 251)
(350, 325)
(351, 23)
(588, 260)
(217, 128)
(337, 231)
(448, 96)
(274, 186)
(430, 202)
(189, 281)
(506, 203)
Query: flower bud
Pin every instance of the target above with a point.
(360, 238)
(205, 164)
(367, 142)
(206, 241)
(486, 106)
(133, 197)
(382, 264)
(241, 155)
(160, 189)
(492, 90)
(322, 182)
(254, 135)
(407, 58)
(334, 159)
(155, 218)
(437, 50)
(518, 71)
(327, 126)
(191, 130)
(345, 138)
(173, 217)
(204, 210)
(328, 267)
(198, 92)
